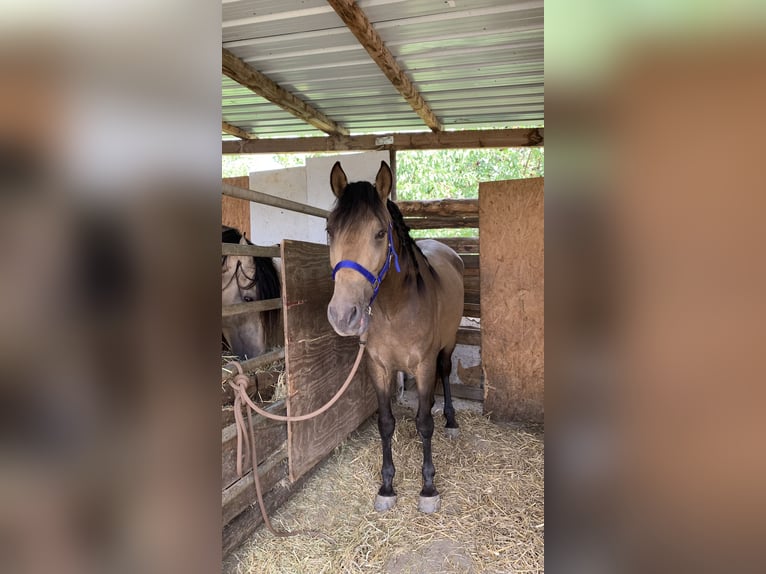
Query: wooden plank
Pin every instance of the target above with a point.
(462, 392)
(241, 494)
(461, 245)
(512, 290)
(252, 364)
(236, 212)
(253, 250)
(471, 310)
(469, 336)
(243, 526)
(317, 360)
(439, 222)
(269, 435)
(472, 298)
(274, 201)
(246, 75)
(251, 307)
(466, 139)
(442, 207)
(356, 21)
(233, 130)
(471, 283)
(471, 261)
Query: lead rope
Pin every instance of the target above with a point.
(239, 384)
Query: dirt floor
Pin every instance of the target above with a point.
(491, 520)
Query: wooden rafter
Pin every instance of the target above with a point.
(244, 74)
(521, 137)
(356, 21)
(227, 128)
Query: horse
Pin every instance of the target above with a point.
(243, 279)
(417, 292)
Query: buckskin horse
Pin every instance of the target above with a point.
(406, 298)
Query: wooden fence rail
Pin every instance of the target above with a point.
(251, 307)
(254, 250)
(272, 200)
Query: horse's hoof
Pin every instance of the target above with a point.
(429, 504)
(383, 503)
(452, 432)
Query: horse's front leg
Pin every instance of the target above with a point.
(382, 379)
(429, 500)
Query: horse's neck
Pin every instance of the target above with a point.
(394, 290)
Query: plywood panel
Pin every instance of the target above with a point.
(236, 212)
(512, 298)
(317, 360)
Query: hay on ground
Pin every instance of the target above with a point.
(491, 520)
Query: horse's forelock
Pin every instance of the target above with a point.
(359, 201)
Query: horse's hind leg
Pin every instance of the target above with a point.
(386, 498)
(443, 370)
(429, 500)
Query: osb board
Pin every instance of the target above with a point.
(317, 360)
(235, 212)
(512, 298)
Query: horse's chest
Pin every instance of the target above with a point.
(401, 344)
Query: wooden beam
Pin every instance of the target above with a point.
(356, 21)
(252, 250)
(520, 137)
(251, 307)
(442, 207)
(439, 222)
(229, 370)
(460, 244)
(232, 130)
(244, 74)
(462, 392)
(469, 336)
(272, 200)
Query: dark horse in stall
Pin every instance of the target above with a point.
(407, 297)
(243, 279)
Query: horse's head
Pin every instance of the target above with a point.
(361, 247)
(239, 285)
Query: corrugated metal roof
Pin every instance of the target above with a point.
(477, 63)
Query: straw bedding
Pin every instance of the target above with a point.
(491, 520)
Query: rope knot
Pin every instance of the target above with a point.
(241, 381)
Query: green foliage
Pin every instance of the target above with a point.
(456, 173)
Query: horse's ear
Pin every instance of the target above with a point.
(243, 240)
(338, 180)
(384, 181)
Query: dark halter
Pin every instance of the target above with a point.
(374, 281)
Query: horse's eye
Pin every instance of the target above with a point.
(247, 299)
(380, 234)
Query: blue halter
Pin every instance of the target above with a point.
(374, 281)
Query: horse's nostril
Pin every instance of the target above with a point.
(352, 315)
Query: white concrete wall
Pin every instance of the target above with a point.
(358, 167)
(309, 185)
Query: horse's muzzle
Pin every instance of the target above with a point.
(348, 320)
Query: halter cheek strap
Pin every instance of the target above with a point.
(374, 281)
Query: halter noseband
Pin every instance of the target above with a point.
(374, 281)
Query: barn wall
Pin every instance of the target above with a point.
(235, 212)
(512, 298)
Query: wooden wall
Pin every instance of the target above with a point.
(317, 360)
(236, 212)
(512, 298)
